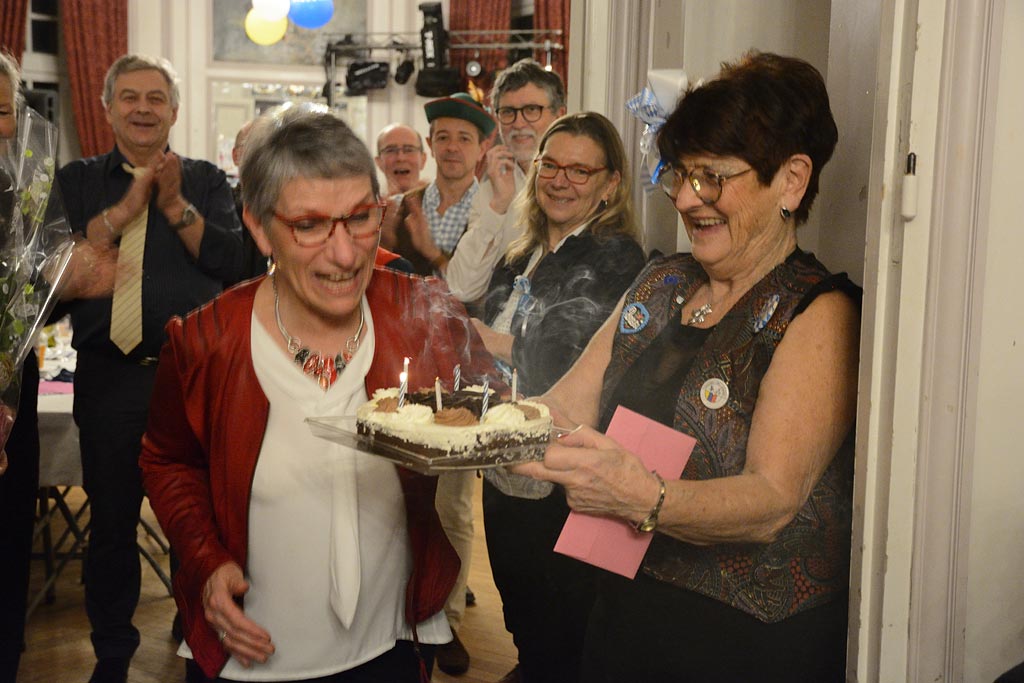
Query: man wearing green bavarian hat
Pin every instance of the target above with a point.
(438, 214)
(461, 106)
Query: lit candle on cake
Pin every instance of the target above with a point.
(437, 393)
(515, 385)
(458, 377)
(403, 382)
(483, 402)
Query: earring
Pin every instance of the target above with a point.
(602, 205)
(786, 213)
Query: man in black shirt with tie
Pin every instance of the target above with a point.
(170, 222)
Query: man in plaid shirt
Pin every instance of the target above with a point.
(433, 218)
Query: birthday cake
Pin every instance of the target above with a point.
(462, 427)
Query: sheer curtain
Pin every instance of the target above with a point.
(95, 34)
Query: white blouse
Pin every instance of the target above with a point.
(329, 555)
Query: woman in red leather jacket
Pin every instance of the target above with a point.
(302, 559)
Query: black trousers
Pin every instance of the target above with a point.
(111, 407)
(398, 665)
(647, 631)
(546, 596)
(18, 490)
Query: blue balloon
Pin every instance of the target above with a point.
(311, 13)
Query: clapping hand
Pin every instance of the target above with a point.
(136, 199)
(419, 231)
(501, 167)
(91, 272)
(168, 186)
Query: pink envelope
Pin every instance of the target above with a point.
(613, 544)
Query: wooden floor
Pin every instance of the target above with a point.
(58, 647)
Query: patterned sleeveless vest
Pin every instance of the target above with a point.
(808, 563)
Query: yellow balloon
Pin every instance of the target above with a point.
(263, 32)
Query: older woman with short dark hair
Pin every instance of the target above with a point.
(340, 557)
(749, 345)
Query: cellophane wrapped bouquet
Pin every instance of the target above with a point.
(35, 249)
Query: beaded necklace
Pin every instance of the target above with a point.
(321, 367)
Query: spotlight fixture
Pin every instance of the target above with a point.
(404, 71)
(433, 37)
(473, 68)
(363, 76)
(436, 78)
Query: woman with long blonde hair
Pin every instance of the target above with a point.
(557, 283)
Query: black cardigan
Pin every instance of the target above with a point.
(576, 289)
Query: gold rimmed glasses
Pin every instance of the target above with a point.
(706, 184)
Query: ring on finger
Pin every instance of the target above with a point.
(221, 635)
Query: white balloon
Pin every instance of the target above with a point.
(271, 10)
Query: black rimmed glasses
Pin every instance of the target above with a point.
(313, 230)
(577, 174)
(395, 150)
(531, 113)
(705, 183)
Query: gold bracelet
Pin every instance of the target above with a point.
(649, 524)
(106, 222)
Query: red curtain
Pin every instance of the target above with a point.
(13, 14)
(474, 15)
(95, 35)
(551, 15)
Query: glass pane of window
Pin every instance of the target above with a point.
(44, 36)
(47, 7)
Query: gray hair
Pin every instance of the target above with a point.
(303, 141)
(523, 73)
(130, 63)
(9, 70)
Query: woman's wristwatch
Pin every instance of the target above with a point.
(648, 524)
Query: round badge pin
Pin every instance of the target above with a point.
(634, 318)
(714, 393)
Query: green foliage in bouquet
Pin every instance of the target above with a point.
(35, 248)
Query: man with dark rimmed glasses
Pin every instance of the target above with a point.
(526, 100)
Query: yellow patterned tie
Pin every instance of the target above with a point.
(126, 306)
